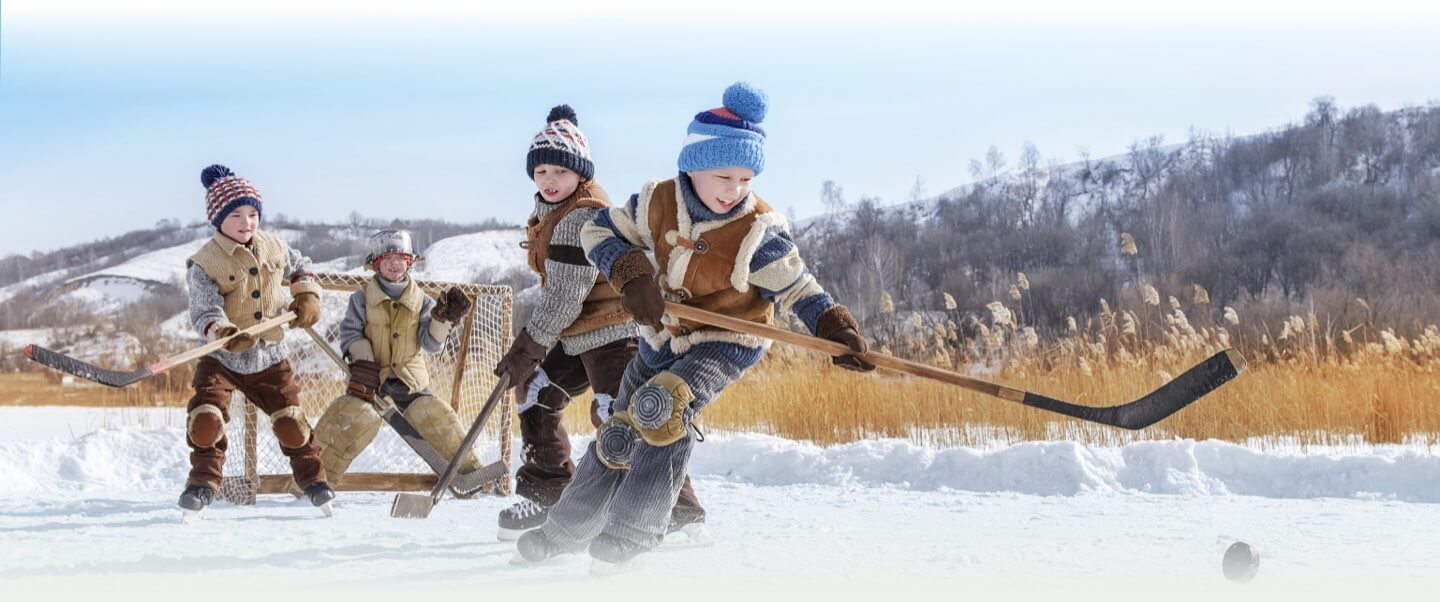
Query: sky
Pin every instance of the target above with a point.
(110, 109)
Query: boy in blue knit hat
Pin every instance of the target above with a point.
(720, 248)
(578, 338)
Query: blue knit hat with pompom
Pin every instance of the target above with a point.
(729, 136)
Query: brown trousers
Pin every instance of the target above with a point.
(544, 440)
(271, 390)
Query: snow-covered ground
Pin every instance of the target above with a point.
(86, 510)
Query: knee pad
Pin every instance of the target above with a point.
(345, 429)
(658, 409)
(615, 442)
(441, 427)
(205, 425)
(291, 427)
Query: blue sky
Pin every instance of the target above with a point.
(108, 110)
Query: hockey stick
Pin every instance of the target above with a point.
(116, 378)
(465, 483)
(411, 505)
(1135, 415)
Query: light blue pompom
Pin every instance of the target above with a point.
(746, 100)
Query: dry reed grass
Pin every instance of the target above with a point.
(1308, 384)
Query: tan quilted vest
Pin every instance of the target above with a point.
(250, 278)
(391, 326)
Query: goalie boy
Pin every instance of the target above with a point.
(388, 326)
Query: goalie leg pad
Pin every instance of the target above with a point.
(440, 426)
(659, 408)
(205, 425)
(345, 429)
(291, 427)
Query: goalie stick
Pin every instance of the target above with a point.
(410, 505)
(465, 483)
(117, 378)
(1171, 397)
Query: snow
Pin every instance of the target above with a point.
(87, 500)
(469, 257)
(11, 290)
(163, 266)
(21, 337)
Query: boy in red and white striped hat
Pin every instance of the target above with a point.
(233, 282)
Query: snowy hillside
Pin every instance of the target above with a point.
(472, 257)
(93, 513)
(112, 289)
(479, 257)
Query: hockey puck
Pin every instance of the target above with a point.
(1241, 562)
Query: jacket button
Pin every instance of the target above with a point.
(259, 315)
(395, 335)
(254, 271)
(255, 294)
(232, 278)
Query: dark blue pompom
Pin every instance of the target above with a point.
(563, 112)
(214, 172)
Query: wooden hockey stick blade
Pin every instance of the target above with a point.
(1138, 414)
(468, 483)
(1171, 397)
(411, 505)
(116, 378)
(83, 369)
(465, 483)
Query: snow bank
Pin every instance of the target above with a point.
(154, 457)
(119, 459)
(1183, 467)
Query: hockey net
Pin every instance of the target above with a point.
(460, 375)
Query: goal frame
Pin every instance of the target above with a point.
(242, 489)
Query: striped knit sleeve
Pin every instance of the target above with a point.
(779, 273)
(568, 279)
(612, 233)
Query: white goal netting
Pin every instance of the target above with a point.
(460, 375)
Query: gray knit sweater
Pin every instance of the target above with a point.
(566, 286)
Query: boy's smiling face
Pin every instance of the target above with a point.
(722, 189)
(241, 224)
(394, 267)
(555, 183)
